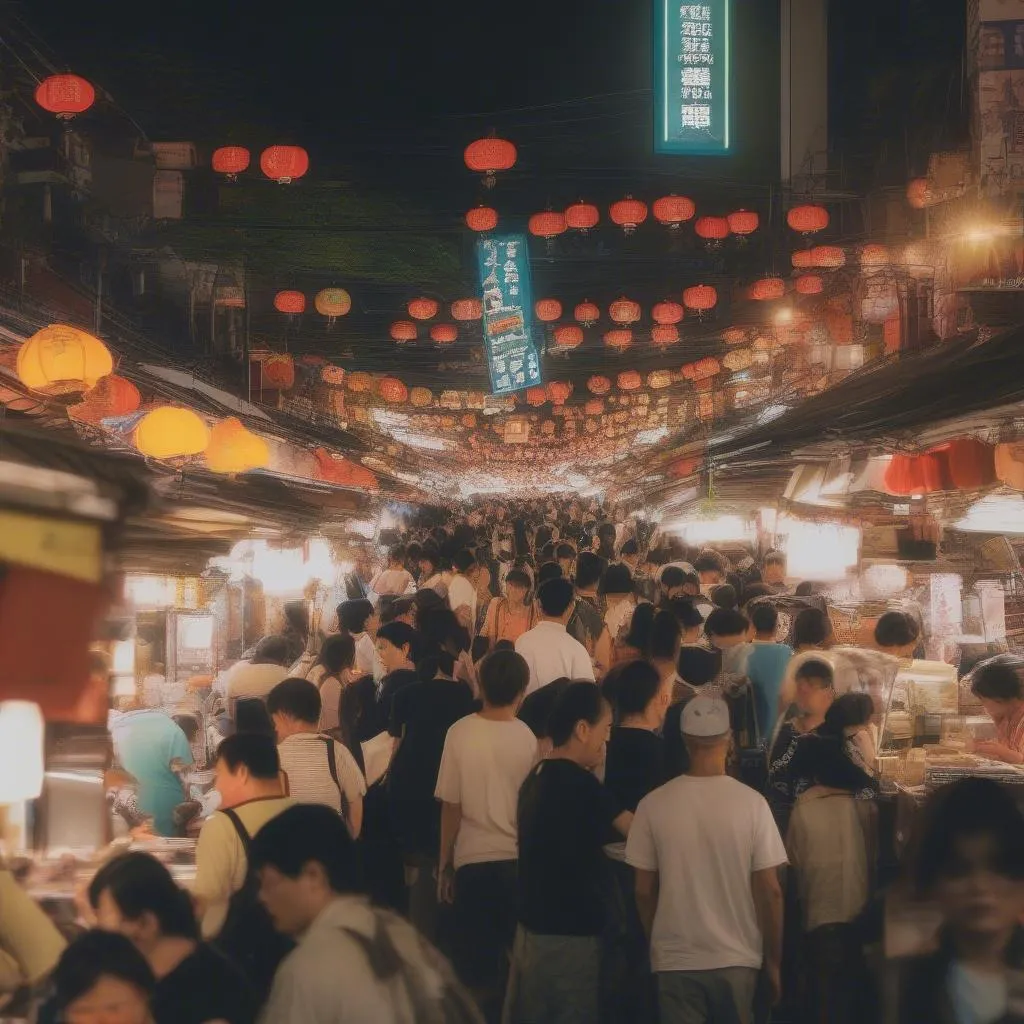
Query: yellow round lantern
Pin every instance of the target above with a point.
(61, 359)
(233, 449)
(332, 302)
(171, 432)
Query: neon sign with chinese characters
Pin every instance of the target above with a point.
(692, 77)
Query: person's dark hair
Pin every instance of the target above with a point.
(805, 589)
(630, 547)
(774, 558)
(549, 571)
(442, 639)
(353, 615)
(565, 551)
(710, 561)
(518, 578)
(413, 552)
(764, 615)
(97, 954)
(304, 834)
(138, 883)
(753, 591)
(672, 576)
(256, 751)
(464, 560)
(589, 568)
(896, 629)
(397, 554)
(402, 606)
(816, 671)
(430, 553)
(641, 625)
(617, 579)
(503, 645)
(400, 634)
(725, 596)
(547, 552)
(272, 650)
(606, 533)
(811, 628)
(427, 599)
(967, 809)
(631, 686)
(504, 676)
(848, 710)
(665, 635)
(251, 717)
(686, 612)
(726, 622)
(296, 617)
(337, 653)
(580, 702)
(555, 596)
(999, 678)
(296, 698)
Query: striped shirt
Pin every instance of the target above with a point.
(304, 762)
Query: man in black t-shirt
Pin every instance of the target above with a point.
(564, 815)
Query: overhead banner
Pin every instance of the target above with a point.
(692, 77)
(512, 357)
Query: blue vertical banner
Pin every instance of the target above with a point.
(692, 77)
(512, 357)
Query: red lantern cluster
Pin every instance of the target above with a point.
(289, 301)
(284, 164)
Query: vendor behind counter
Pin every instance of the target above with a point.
(998, 683)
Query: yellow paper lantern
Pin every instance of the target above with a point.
(171, 433)
(333, 302)
(233, 449)
(61, 359)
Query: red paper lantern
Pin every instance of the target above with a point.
(278, 373)
(547, 310)
(768, 288)
(547, 225)
(700, 298)
(392, 390)
(624, 311)
(333, 375)
(582, 216)
(587, 313)
(734, 335)
(909, 475)
(594, 406)
(111, 396)
(619, 340)
(289, 301)
(568, 336)
(664, 335)
(231, 160)
(808, 219)
(628, 213)
(703, 369)
(559, 391)
(467, 309)
(682, 468)
(875, 256)
(444, 334)
(403, 330)
(536, 397)
(65, 95)
(743, 222)
(488, 156)
(803, 259)
(828, 257)
(810, 284)
(629, 380)
(284, 163)
(482, 218)
(423, 309)
(599, 385)
(712, 229)
(972, 463)
(667, 313)
(919, 193)
(673, 210)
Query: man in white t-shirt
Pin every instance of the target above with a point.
(318, 769)
(395, 580)
(707, 852)
(256, 677)
(462, 594)
(486, 758)
(550, 652)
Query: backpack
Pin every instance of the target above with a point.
(249, 937)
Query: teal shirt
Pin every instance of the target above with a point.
(766, 669)
(146, 742)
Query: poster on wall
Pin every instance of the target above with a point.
(692, 77)
(512, 358)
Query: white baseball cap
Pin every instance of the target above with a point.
(705, 717)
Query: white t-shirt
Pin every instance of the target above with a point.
(304, 761)
(552, 654)
(393, 582)
(704, 837)
(482, 768)
(366, 654)
(247, 680)
(462, 592)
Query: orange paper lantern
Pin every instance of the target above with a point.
(444, 334)
(808, 219)
(803, 259)
(628, 213)
(65, 95)
(548, 225)
(658, 380)
(61, 359)
(599, 385)
(359, 382)
(423, 309)
(587, 313)
(558, 391)
(629, 380)
(700, 298)
(624, 311)
(673, 210)
(421, 397)
(828, 257)
(667, 313)
(171, 433)
(594, 407)
(403, 331)
(875, 255)
(278, 373)
(568, 336)
(536, 397)
(332, 302)
(619, 340)
(489, 156)
(290, 301)
(233, 449)
(664, 335)
(392, 390)
(712, 229)
(743, 222)
(582, 216)
(112, 396)
(809, 284)
(767, 289)
(547, 310)
(231, 160)
(284, 164)
(482, 218)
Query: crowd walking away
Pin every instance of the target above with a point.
(545, 765)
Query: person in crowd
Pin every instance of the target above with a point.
(665, 643)
(564, 814)
(620, 601)
(151, 747)
(773, 571)
(317, 769)
(398, 650)
(766, 666)
(403, 609)
(605, 542)
(970, 863)
(135, 896)
(725, 596)
(102, 977)
(549, 650)
(707, 855)
(812, 632)
(352, 963)
(897, 633)
(431, 575)
(421, 715)
(486, 758)
(248, 778)
(296, 629)
(510, 616)
(754, 592)
(359, 620)
(333, 672)
(636, 643)
(256, 677)
(586, 623)
(462, 593)
(565, 555)
(413, 553)
(536, 709)
(629, 555)
(711, 567)
(850, 719)
(550, 570)
(395, 580)
(998, 683)
(672, 583)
